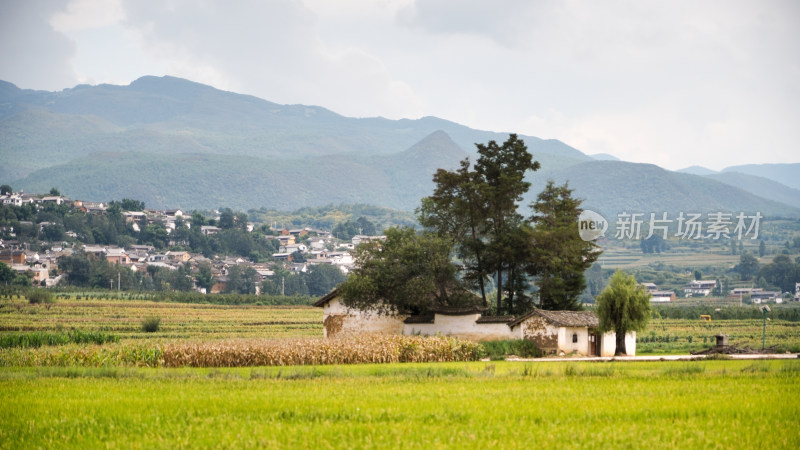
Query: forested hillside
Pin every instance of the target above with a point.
(174, 143)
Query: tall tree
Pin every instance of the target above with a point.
(502, 170)
(622, 307)
(477, 209)
(559, 256)
(457, 212)
(7, 274)
(204, 277)
(241, 280)
(227, 219)
(323, 278)
(748, 266)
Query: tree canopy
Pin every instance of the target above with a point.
(476, 208)
(622, 307)
(408, 272)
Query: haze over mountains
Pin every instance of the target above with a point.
(175, 143)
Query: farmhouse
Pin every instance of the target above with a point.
(554, 332)
(699, 287)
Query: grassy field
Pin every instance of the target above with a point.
(701, 404)
(88, 395)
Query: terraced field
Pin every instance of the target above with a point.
(178, 320)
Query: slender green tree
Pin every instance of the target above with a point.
(747, 267)
(502, 170)
(559, 256)
(622, 307)
(204, 276)
(456, 212)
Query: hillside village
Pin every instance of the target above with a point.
(298, 250)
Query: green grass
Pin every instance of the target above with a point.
(702, 404)
(36, 339)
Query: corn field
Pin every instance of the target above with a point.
(251, 352)
(355, 350)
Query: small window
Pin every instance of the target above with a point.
(574, 337)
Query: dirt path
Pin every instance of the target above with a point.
(657, 357)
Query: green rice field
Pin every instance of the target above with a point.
(681, 404)
(71, 376)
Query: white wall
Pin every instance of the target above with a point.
(566, 345)
(339, 320)
(609, 344)
(463, 327)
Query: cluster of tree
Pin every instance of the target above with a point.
(80, 270)
(782, 273)
(778, 312)
(346, 230)
(654, 244)
(327, 217)
(10, 277)
(474, 236)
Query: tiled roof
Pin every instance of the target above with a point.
(328, 297)
(495, 319)
(458, 310)
(563, 318)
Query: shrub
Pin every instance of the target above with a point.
(151, 324)
(37, 296)
(498, 350)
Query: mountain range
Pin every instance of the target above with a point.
(174, 143)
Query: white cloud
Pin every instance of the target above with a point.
(673, 83)
(82, 14)
(32, 54)
(270, 49)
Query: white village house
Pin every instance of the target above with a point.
(554, 332)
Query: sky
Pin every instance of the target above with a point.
(674, 83)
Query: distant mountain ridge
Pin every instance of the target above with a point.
(172, 115)
(175, 143)
(200, 181)
(697, 170)
(614, 187)
(787, 174)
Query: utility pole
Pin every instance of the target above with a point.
(764, 311)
